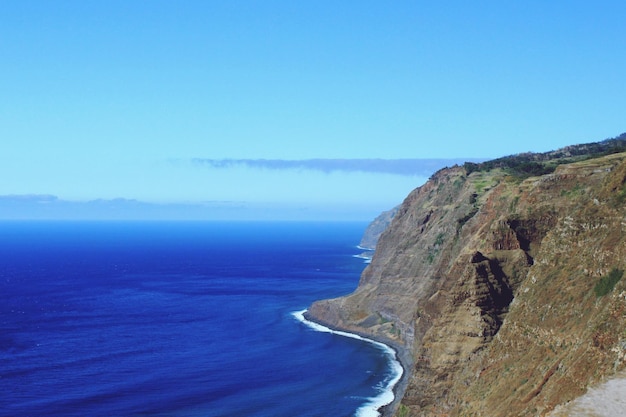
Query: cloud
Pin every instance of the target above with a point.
(404, 167)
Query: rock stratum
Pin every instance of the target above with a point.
(492, 281)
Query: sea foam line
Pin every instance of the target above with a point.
(367, 259)
(386, 397)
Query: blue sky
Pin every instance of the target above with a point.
(142, 100)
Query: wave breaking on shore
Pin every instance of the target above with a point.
(372, 406)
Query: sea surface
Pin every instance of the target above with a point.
(181, 319)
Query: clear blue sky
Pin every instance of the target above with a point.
(130, 99)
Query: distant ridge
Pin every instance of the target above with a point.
(376, 228)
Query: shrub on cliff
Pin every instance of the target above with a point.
(531, 164)
(607, 282)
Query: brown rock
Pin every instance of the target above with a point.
(485, 284)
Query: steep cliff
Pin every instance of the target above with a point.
(376, 228)
(492, 283)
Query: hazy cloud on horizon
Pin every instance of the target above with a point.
(404, 167)
(52, 208)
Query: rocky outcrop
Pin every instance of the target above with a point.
(485, 282)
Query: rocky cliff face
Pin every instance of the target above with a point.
(486, 283)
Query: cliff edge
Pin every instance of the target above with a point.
(499, 284)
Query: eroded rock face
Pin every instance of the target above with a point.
(487, 282)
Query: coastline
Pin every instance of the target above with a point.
(401, 355)
(405, 358)
(366, 255)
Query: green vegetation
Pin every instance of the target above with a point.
(535, 164)
(440, 238)
(519, 166)
(403, 411)
(433, 251)
(607, 282)
(620, 197)
(381, 319)
(458, 183)
(482, 185)
(466, 218)
(577, 190)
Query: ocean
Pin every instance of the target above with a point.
(181, 319)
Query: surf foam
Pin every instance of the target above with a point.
(386, 396)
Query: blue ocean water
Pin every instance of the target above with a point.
(178, 319)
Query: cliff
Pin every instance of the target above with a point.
(495, 283)
(376, 228)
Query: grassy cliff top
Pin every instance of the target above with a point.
(530, 164)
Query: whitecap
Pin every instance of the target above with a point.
(366, 258)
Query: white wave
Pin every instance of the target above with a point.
(361, 256)
(366, 258)
(386, 396)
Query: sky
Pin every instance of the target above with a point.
(289, 109)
